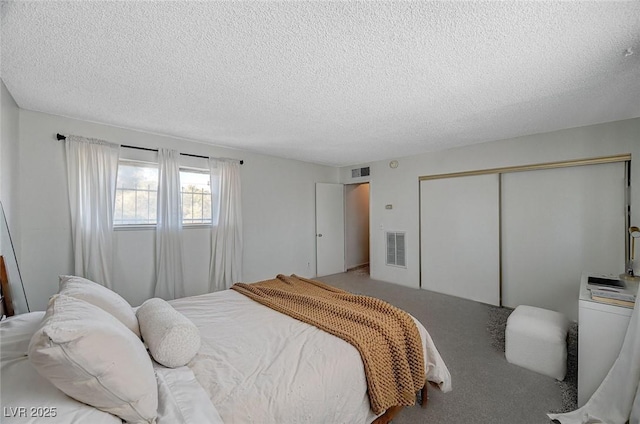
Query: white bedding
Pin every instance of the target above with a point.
(28, 398)
(260, 366)
(255, 365)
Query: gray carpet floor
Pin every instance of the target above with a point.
(470, 338)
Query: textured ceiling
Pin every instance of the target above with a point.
(337, 83)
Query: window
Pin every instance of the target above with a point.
(196, 197)
(137, 195)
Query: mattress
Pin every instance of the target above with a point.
(260, 366)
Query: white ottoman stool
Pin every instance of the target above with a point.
(536, 339)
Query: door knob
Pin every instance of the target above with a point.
(319, 235)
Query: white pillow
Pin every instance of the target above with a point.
(89, 355)
(23, 387)
(102, 297)
(173, 340)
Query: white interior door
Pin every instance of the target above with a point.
(557, 224)
(329, 229)
(460, 251)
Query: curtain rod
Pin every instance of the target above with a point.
(63, 137)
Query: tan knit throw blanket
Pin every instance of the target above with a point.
(386, 337)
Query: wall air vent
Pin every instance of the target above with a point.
(360, 172)
(396, 253)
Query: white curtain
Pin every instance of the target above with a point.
(169, 276)
(225, 267)
(617, 400)
(92, 169)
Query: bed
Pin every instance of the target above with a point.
(253, 365)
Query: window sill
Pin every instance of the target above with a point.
(140, 227)
(146, 227)
(191, 226)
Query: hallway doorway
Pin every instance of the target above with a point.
(356, 207)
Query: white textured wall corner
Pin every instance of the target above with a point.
(9, 154)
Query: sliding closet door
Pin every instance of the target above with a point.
(459, 234)
(556, 224)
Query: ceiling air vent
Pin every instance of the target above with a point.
(360, 172)
(396, 249)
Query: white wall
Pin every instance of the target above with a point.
(400, 186)
(278, 212)
(278, 200)
(9, 194)
(356, 224)
(9, 118)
